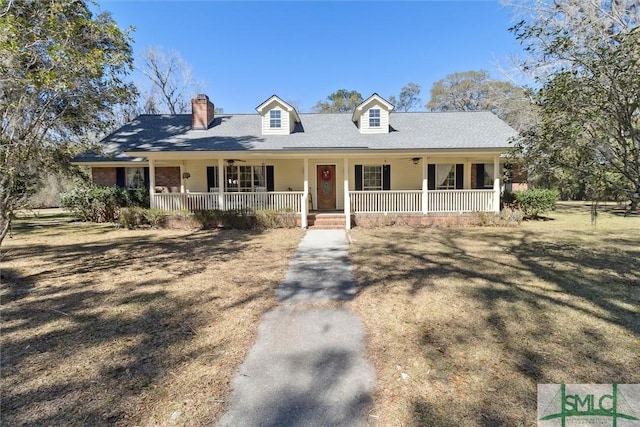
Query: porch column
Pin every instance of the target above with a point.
(347, 202)
(496, 184)
(305, 195)
(152, 184)
(182, 177)
(467, 174)
(220, 184)
(425, 185)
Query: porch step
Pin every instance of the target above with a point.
(326, 221)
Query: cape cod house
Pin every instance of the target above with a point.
(371, 161)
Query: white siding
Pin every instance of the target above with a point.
(384, 120)
(283, 129)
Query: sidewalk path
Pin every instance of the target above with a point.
(308, 366)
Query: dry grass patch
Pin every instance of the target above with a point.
(475, 318)
(115, 327)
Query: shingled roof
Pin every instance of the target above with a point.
(316, 132)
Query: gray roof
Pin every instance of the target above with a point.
(317, 131)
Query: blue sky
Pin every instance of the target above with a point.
(302, 51)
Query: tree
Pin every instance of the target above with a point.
(409, 98)
(476, 91)
(61, 72)
(586, 58)
(172, 82)
(341, 101)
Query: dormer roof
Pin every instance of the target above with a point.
(274, 99)
(373, 99)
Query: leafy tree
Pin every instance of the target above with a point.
(409, 98)
(341, 101)
(62, 72)
(586, 58)
(476, 91)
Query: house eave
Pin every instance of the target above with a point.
(303, 152)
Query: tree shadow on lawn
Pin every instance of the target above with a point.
(65, 317)
(514, 289)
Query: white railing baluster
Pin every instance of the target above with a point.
(410, 201)
(259, 200)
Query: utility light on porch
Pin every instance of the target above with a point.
(416, 160)
(186, 175)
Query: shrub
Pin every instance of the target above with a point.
(132, 217)
(102, 204)
(155, 217)
(135, 216)
(95, 204)
(532, 203)
(269, 218)
(240, 219)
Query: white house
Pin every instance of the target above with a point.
(372, 161)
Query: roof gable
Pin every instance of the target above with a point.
(276, 100)
(364, 105)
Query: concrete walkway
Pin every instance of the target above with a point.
(308, 366)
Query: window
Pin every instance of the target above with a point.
(371, 178)
(135, 178)
(445, 177)
(275, 119)
(212, 178)
(488, 175)
(259, 178)
(245, 178)
(374, 118)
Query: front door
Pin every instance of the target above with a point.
(326, 186)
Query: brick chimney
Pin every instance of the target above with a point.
(201, 112)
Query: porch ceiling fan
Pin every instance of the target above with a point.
(230, 162)
(415, 160)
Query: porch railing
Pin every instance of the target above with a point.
(289, 200)
(285, 200)
(185, 201)
(414, 201)
(391, 201)
(459, 200)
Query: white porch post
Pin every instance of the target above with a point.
(347, 202)
(152, 184)
(425, 185)
(467, 174)
(220, 184)
(305, 195)
(496, 184)
(182, 177)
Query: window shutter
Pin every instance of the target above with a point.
(121, 180)
(386, 177)
(270, 178)
(211, 177)
(459, 176)
(145, 174)
(480, 175)
(431, 177)
(358, 177)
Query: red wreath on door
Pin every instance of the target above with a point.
(325, 175)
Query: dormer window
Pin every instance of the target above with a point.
(372, 115)
(374, 118)
(275, 119)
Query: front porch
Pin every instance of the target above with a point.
(358, 202)
(350, 185)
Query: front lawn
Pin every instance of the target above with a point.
(104, 326)
(464, 323)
